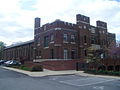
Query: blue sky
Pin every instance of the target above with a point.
(17, 16)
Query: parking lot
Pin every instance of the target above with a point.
(11, 80)
(88, 83)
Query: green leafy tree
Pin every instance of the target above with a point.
(2, 46)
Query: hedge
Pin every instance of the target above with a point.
(101, 72)
(32, 68)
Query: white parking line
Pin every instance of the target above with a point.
(98, 87)
(61, 77)
(69, 83)
(80, 79)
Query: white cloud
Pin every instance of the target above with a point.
(17, 16)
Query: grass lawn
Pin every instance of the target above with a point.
(33, 68)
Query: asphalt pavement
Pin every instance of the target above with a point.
(11, 80)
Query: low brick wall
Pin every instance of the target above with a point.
(60, 64)
(57, 65)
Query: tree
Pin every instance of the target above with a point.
(114, 53)
(2, 46)
(95, 54)
(114, 50)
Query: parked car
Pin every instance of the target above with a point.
(12, 63)
(2, 62)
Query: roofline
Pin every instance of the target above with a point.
(19, 44)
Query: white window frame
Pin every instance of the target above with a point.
(65, 37)
(51, 37)
(65, 54)
(84, 26)
(73, 37)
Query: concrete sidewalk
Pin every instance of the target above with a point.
(44, 73)
(65, 72)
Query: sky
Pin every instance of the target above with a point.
(17, 16)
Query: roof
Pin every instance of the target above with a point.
(19, 44)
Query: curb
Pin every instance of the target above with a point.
(57, 73)
(39, 74)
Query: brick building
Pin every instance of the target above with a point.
(61, 41)
(64, 40)
(20, 51)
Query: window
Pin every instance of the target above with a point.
(103, 32)
(85, 52)
(65, 37)
(84, 27)
(38, 54)
(92, 30)
(84, 19)
(72, 38)
(46, 41)
(65, 54)
(51, 37)
(52, 53)
(73, 54)
(80, 27)
(93, 40)
(85, 39)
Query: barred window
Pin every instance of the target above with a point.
(46, 41)
(65, 37)
(72, 38)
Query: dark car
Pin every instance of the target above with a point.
(12, 63)
(2, 62)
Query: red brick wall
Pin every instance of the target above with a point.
(57, 65)
(61, 64)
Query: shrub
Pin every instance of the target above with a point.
(103, 72)
(117, 73)
(37, 68)
(33, 67)
(22, 67)
(111, 72)
(25, 68)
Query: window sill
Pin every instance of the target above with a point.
(73, 43)
(46, 47)
(65, 42)
(52, 42)
(38, 44)
(38, 57)
(85, 43)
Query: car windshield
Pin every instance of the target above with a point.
(1, 60)
(11, 62)
(8, 62)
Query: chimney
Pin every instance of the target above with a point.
(101, 24)
(82, 19)
(37, 22)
